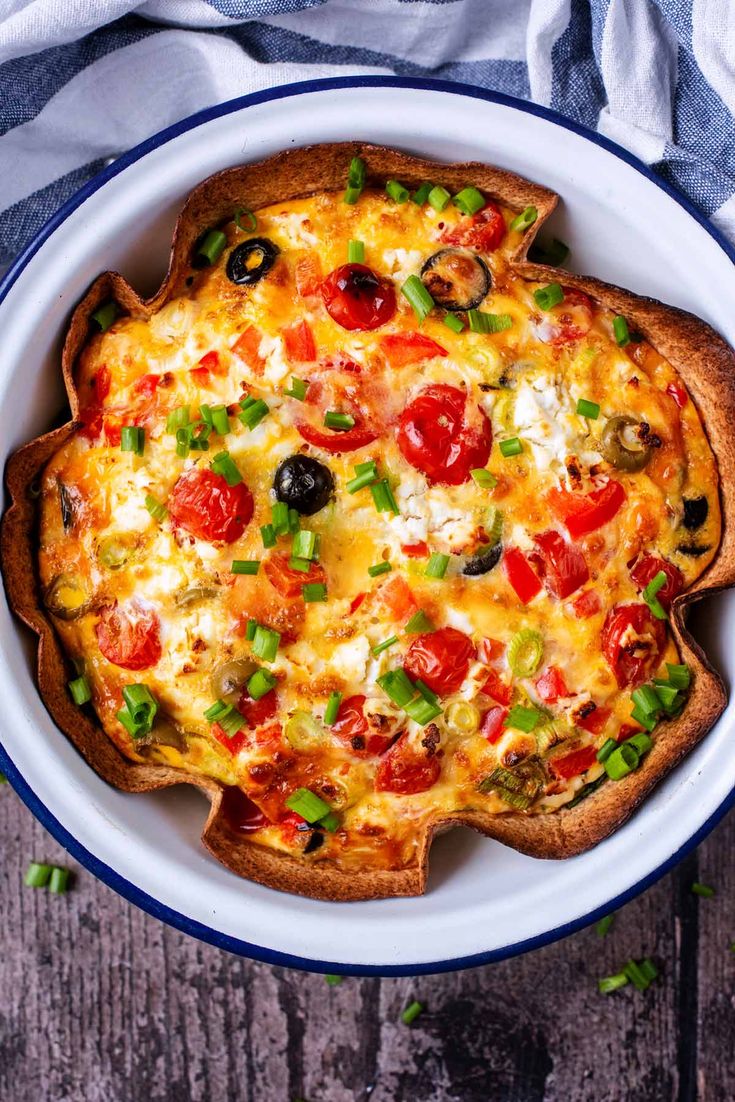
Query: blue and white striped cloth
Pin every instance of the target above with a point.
(83, 80)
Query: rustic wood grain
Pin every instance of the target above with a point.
(101, 1003)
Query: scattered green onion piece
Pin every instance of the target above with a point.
(484, 478)
(220, 420)
(231, 720)
(268, 535)
(603, 926)
(493, 525)
(622, 761)
(422, 193)
(297, 389)
(417, 295)
(646, 699)
(670, 697)
(250, 629)
(206, 413)
(483, 322)
(525, 652)
(332, 708)
(453, 322)
(244, 212)
(279, 517)
(611, 983)
(621, 331)
(525, 219)
(644, 719)
(141, 705)
(421, 710)
(313, 592)
(397, 686)
(80, 690)
(679, 676)
(183, 441)
(383, 497)
(636, 975)
(397, 192)
(642, 743)
(199, 436)
(587, 409)
(364, 477)
(253, 412)
(104, 316)
(703, 890)
(308, 805)
(155, 508)
(549, 296)
(212, 247)
(437, 565)
(330, 822)
(214, 711)
(553, 253)
(379, 568)
(522, 718)
(223, 464)
(606, 749)
(177, 419)
(265, 643)
(303, 566)
(649, 969)
(59, 880)
(333, 981)
(419, 624)
(132, 439)
(37, 876)
(649, 595)
(340, 422)
(411, 1013)
(380, 647)
(356, 252)
(426, 692)
(356, 177)
(509, 448)
(469, 200)
(261, 682)
(305, 544)
(245, 566)
(438, 198)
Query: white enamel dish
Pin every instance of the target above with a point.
(484, 901)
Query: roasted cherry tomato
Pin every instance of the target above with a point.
(587, 604)
(521, 575)
(404, 770)
(571, 765)
(298, 342)
(257, 712)
(336, 442)
(402, 349)
(492, 724)
(356, 298)
(646, 569)
(288, 582)
(483, 231)
(353, 728)
(240, 813)
(564, 568)
(551, 685)
(437, 438)
(440, 659)
(130, 635)
(584, 513)
(632, 640)
(204, 505)
(569, 321)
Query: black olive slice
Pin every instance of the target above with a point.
(315, 842)
(693, 550)
(249, 262)
(67, 503)
(695, 512)
(304, 484)
(455, 279)
(485, 559)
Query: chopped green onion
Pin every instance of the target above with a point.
(245, 566)
(649, 595)
(422, 193)
(509, 448)
(704, 890)
(223, 464)
(549, 296)
(649, 970)
(302, 565)
(642, 743)
(426, 692)
(157, 511)
(308, 805)
(437, 565)
(411, 1013)
(261, 682)
(253, 412)
(297, 389)
(268, 535)
(356, 177)
(453, 322)
(484, 478)
(265, 643)
(622, 761)
(637, 976)
(334, 981)
(397, 686)
(305, 545)
(587, 409)
(383, 497)
(340, 422)
(525, 219)
(356, 252)
(104, 316)
(330, 822)
(670, 697)
(621, 331)
(177, 419)
(313, 592)
(332, 708)
(214, 711)
(522, 718)
(553, 253)
(250, 629)
(397, 192)
(417, 295)
(211, 248)
(419, 624)
(80, 690)
(141, 707)
(59, 880)
(220, 420)
(494, 525)
(380, 647)
(244, 212)
(603, 926)
(644, 719)
(469, 200)
(132, 439)
(611, 983)
(280, 518)
(525, 651)
(228, 718)
(483, 322)
(438, 198)
(183, 441)
(679, 676)
(379, 568)
(365, 473)
(421, 710)
(646, 699)
(606, 749)
(37, 876)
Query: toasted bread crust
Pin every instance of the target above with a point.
(705, 363)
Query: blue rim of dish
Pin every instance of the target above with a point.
(103, 871)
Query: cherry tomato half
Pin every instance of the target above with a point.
(563, 565)
(353, 728)
(646, 569)
(288, 582)
(551, 685)
(436, 438)
(404, 770)
(632, 640)
(129, 635)
(440, 659)
(204, 505)
(584, 513)
(483, 231)
(356, 298)
(336, 442)
(492, 724)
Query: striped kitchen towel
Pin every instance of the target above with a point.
(83, 80)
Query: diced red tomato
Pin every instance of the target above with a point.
(415, 550)
(492, 724)
(147, 385)
(101, 383)
(236, 742)
(584, 513)
(397, 598)
(241, 814)
(593, 720)
(308, 273)
(490, 650)
(551, 685)
(440, 659)
(289, 582)
(298, 341)
(356, 298)
(437, 437)
(571, 765)
(336, 442)
(521, 575)
(646, 569)
(627, 730)
(402, 349)
(565, 569)
(356, 602)
(405, 771)
(570, 320)
(210, 364)
(129, 635)
(632, 640)
(247, 348)
(678, 393)
(587, 604)
(256, 713)
(483, 231)
(496, 687)
(204, 505)
(353, 728)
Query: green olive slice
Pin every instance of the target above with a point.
(114, 551)
(230, 678)
(67, 597)
(195, 593)
(623, 444)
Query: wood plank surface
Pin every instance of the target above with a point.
(101, 1003)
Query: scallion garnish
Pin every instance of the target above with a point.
(253, 412)
(397, 686)
(383, 497)
(603, 926)
(525, 219)
(356, 177)
(525, 652)
(397, 192)
(303, 566)
(356, 252)
(223, 464)
(244, 212)
(211, 248)
(483, 322)
(438, 198)
(590, 410)
(313, 592)
(621, 331)
(261, 682)
(305, 545)
(37, 875)
(422, 193)
(419, 624)
(421, 710)
(365, 473)
(80, 690)
(330, 822)
(308, 805)
(453, 322)
(417, 295)
(58, 881)
(177, 419)
(220, 420)
(411, 1013)
(158, 512)
(132, 439)
(139, 710)
(649, 595)
(640, 975)
(104, 315)
(611, 983)
(379, 568)
(340, 422)
(297, 389)
(703, 890)
(380, 647)
(622, 761)
(606, 749)
(333, 981)
(469, 200)
(549, 296)
(426, 692)
(268, 535)
(245, 566)
(280, 518)
(265, 643)
(250, 629)
(437, 565)
(509, 448)
(332, 708)
(484, 478)
(522, 718)
(679, 676)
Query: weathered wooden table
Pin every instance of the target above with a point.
(101, 1003)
